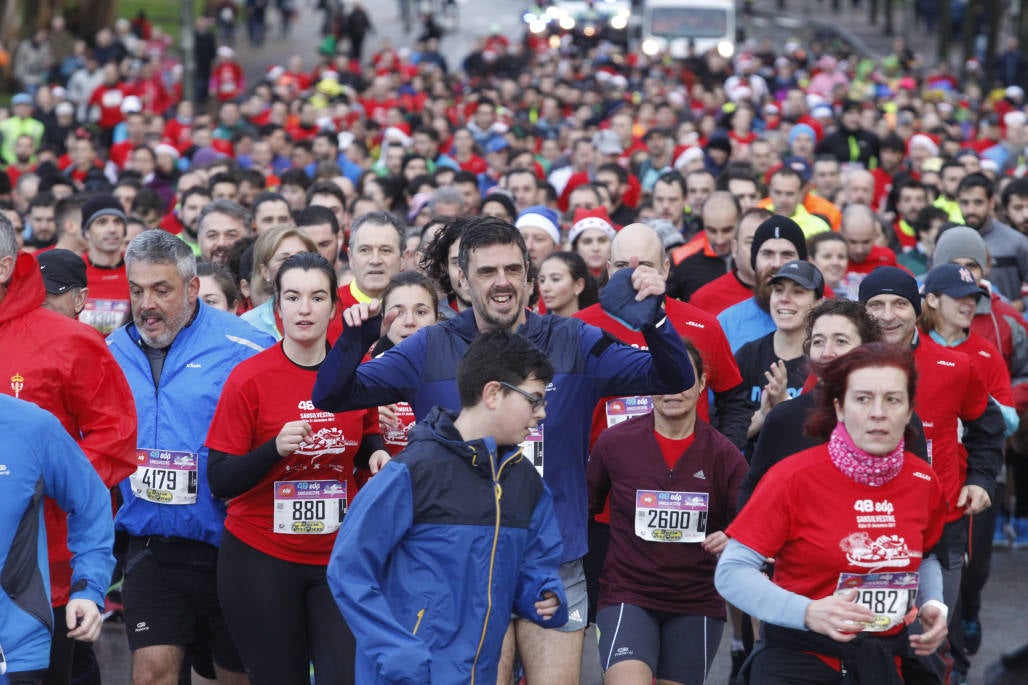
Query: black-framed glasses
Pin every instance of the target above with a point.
(537, 401)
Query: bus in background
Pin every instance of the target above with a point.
(674, 25)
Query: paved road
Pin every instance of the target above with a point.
(1004, 621)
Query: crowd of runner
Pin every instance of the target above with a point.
(325, 448)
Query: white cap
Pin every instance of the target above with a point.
(583, 225)
(131, 103)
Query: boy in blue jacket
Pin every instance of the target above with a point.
(455, 533)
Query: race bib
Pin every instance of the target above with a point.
(532, 448)
(309, 507)
(623, 408)
(164, 477)
(105, 315)
(889, 595)
(671, 516)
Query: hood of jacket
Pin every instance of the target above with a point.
(25, 290)
(438, 427)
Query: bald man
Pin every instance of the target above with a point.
(709, 255)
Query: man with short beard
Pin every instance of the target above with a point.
(736, 285)
(1008, 248)
(220, 224)
(104, 226)
(176, 355)
(192, 203)
(778, 240)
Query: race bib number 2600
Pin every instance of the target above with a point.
(662, 516)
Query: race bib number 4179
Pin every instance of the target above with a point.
(164, 477)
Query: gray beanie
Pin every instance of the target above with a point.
(961, 241)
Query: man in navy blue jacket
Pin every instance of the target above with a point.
(588, 364)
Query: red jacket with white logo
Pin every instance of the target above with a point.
(64, 367)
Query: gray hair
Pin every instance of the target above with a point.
(160, 247)
(380, 218)
(446, 195)
(8, 241)
(228, 208)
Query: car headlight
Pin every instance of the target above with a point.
(618, 22)
(567, 23)
(725, 49)
(650, 47)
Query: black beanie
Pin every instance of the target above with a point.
(888, 280)
(782, 227)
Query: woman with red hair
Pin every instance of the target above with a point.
(850, 524)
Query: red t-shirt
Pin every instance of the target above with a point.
(108, 305)
(817, 522)
(948, 389)
(989, 365)
(252, 411)
(673, 448)
(720, 294)
(879, 256)
(109, 99)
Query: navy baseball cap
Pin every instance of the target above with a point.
(953, 280)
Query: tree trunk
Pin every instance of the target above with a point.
(970, 29)
(95, 15)
(872, 9)
(993, 14)
(887, 8)
(945, 30)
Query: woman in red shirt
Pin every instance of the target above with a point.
(850, 524)
(288, 471)
(409, 303)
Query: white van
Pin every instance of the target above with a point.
(671, 25)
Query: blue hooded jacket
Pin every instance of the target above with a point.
(40, 458)
(589, 364)
(436, 552)
(175, 414)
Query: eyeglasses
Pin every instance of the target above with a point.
(537, 401)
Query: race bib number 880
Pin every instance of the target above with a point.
(309, 507)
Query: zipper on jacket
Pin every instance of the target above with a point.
(421, 615)
(497, 494)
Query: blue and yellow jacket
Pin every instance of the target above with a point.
(40, 459)
(588, 364)
(435, 554)
(175, 413)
